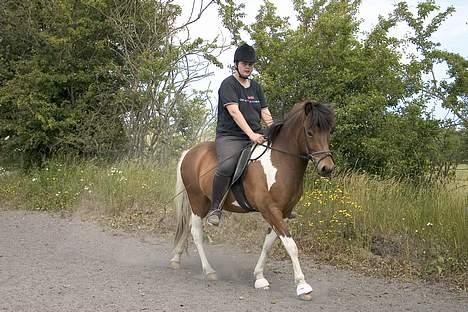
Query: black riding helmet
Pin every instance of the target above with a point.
(245, 53)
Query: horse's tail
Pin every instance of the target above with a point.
(183, 211)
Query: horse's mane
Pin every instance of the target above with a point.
(319, 115)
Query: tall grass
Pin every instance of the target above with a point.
(388, 226)
(110, 189)
(355, 217)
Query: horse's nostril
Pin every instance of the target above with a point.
(325, 171)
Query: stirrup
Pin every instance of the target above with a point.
(214, 217)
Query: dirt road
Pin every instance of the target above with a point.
(50, 264)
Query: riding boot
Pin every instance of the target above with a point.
(220, 190)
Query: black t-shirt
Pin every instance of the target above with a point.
(251, 100)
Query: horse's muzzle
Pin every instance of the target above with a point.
(326, 170)
(325, 164)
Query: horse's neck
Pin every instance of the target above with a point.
(287, 141)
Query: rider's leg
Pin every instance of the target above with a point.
(220, 190)
(228, 149)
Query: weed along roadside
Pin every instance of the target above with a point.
(382, 227)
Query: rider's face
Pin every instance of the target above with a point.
(245, 68)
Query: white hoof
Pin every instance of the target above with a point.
(306, 297)
(174, 265)
(212, 276)
(303, 289)
(262, 283)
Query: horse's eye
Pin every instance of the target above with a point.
(310, 133)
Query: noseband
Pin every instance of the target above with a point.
(325, 154)
(313, 155)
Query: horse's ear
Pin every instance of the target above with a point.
(309, 106)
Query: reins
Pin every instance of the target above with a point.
(281, 151)
(309, 156)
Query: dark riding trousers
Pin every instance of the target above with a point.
(228, 150)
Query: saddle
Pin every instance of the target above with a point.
(249, 153)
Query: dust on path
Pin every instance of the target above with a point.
(51, 264)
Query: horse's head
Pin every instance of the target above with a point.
(311, 123)
(318, 122)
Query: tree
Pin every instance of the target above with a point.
(452, 92)
(97, 78)
(382, 125)
(323, 59)
(57, 85)
(161, 61)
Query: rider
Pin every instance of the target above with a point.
(241, 107)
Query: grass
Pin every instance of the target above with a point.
(461, 174)
(89, 187)
(384, 227)
(380, 222)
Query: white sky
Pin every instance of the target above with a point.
(452, 35)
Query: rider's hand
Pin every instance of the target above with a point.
(257, 138)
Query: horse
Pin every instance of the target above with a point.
(273, 185)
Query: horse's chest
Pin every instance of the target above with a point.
(267, 167)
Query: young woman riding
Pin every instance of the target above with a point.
(241, 107)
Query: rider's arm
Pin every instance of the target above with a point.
(236, 114)
(266, 116)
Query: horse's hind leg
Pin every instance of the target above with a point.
(180, 246)
(175, 260)
(197, 234)
(260, 281)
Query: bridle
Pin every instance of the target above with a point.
(313, 155)
(309, 156)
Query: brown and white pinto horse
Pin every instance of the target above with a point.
(273, 185)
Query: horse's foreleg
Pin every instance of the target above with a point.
(197, 234)
(303, 289)
(260, 281)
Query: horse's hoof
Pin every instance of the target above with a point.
(306, 297)
(212, 276)
(304, 291)
(174, 265)
(262, 283)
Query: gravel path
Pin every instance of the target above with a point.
(50, 264)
